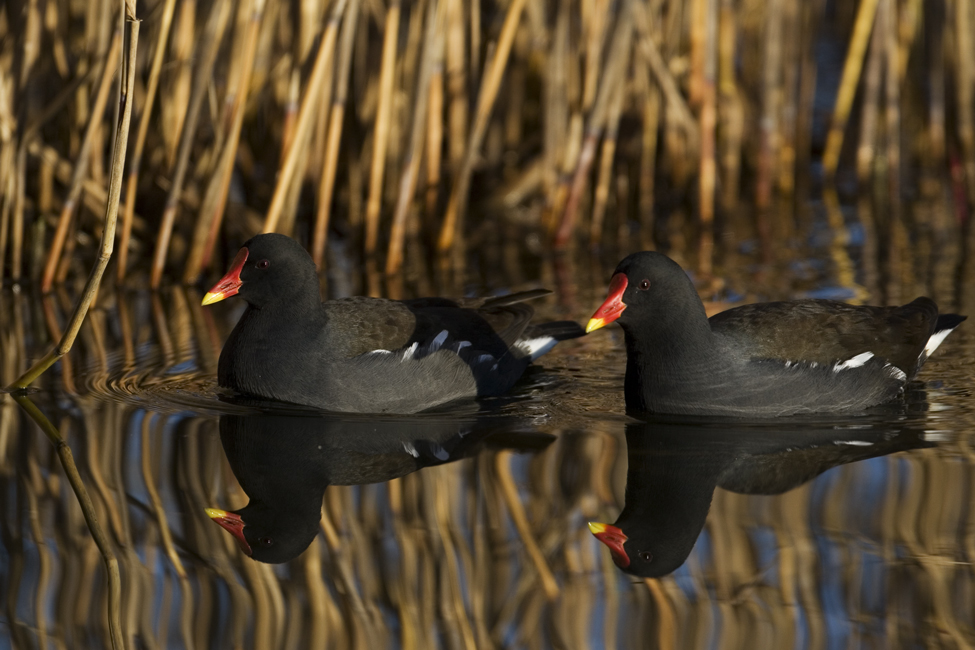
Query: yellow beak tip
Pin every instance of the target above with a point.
(211, 298)
(594, 324)
(595, 528)
(214, 513)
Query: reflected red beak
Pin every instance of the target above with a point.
(229, 284)
(613, 307)
(614, 538)
(233, 524)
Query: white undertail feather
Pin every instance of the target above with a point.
(536, 347)
(853, 362)
(933, 343)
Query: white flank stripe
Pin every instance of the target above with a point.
(411, 450)
(853, 362)
(440, 452)
(896, 372)
(536, 347)
(379, 352)
(409, 352)
(438, 341)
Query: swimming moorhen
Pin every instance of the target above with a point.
(368, 355)
(760, 360)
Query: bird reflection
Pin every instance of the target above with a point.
(284, 461)
(674, 465)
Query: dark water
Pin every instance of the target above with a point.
(471, 530)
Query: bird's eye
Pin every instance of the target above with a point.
(646, 556)
(265, 541)
(263, 264)
(644, 285)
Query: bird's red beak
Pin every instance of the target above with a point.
(614, 538)
(233, 524)
(229, 284)
(611, 309)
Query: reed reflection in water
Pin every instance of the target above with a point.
(491, 550)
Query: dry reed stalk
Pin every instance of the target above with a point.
(173, 112)
(934, 31)
(111, 209)
(677, 108)
(771, 104)
(411, 159)
(108, 68)
(708, 176)
(555, 100)
(866, 148)
(435, 133)
(380, 134)
(893, 100)
(306, 113)
(606, 156)
(215, 202)
(74, 478)
(456, 83)
(211, 38)
(502, 466)
(614, 74)
(490, 83)
(965, 88)
(848, 85)
(165, 22)
(791, 70)
(326, 185)
(731, 114)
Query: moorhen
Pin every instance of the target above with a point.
(673, 467)
(760, 360)
(285, 460)
(368, 355)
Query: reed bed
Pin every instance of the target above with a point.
(411, 127)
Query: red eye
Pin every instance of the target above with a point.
(644, 285)
(263, 264)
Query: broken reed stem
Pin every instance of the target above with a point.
(91, 519)
(212, 36)
(502, 465)
(380, 134)
(485, 102)
(165, 22)
(333, 139)
(411, 161)
(306, 113)
(848, 85)
(81, 163)
(126, 99)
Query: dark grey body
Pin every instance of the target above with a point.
(370, 355)
(767, 359)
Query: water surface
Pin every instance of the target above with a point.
(471, 530)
